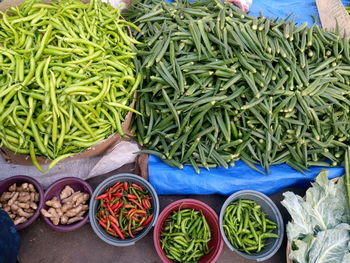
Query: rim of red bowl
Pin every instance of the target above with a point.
(165, 213)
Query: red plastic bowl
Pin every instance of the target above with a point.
(55, 189)
(19, 179)
(216, 242)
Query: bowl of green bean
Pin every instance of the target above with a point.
(251, 225)
(187, 230)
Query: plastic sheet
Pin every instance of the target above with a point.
(168, 180)
(300, 10)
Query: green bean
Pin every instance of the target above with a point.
(62, 54)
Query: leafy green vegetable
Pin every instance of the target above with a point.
(319, 231)
(330, 246)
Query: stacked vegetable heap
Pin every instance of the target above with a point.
(221, 86)
(66, 76)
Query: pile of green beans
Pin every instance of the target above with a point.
(246, 226)
(220, 86)
(186, 236)
(67, 76)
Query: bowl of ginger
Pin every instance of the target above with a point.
(66, 204)
(22, 198)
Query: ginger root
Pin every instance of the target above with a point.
(12, 188)
(64, 219)
(69, 209)
(67, 206)
(66, 192)
(45, 213)
(19, 220)
(74, 219)
(53, 203)
(19, 201)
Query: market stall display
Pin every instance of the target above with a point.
(22, 198)
(67, 77)
(216, 90)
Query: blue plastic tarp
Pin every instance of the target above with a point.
(168, 180)
(300, 10)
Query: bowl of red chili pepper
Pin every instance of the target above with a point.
(123, 209)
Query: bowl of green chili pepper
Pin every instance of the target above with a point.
(188, 231)
(123, 209)
(251, 225)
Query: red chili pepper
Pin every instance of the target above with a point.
(144, 204)
(110, 210)
(131, 210)
(109, 196)
(115, 206)
(103, 224)
(147, 220)
(129, 229)
(117, 195)
(120, 234)
(137, 187)
(126, 186)
(101, 196)
(148, 203)
(129, 206)
(137, 203)
(130, 196)
(114, 220)
(116, 185)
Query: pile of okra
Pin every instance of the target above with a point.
(220, 85)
